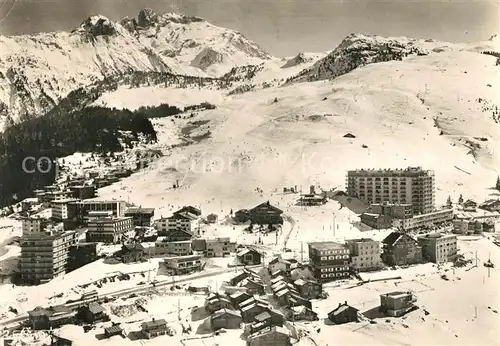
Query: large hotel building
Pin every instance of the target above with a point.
(412, 185)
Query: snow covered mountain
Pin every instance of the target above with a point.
(439, 111)
(359, 50)
(36, 71)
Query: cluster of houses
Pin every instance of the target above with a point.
(89, 314)
(473, 218)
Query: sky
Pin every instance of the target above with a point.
(282, 27)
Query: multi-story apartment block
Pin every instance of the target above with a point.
(52, 196)
(109, 230)
(80, 209)
(60, 209)
(83, 191)
(219, 247)
(397, 211)
(424, 220)
(437, 247)
(412, 185)
(44, 255)
(178, 221)
(142, 217)
(34, 225)
(365, 254)
(176, 248)
(183, 264)
(329, 260)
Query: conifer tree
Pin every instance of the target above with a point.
(497, 185)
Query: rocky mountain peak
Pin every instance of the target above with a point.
(147, 17)
(357, 50)
(98, 26)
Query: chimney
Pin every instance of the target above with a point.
(345, 302)
(311, 189)
(268, 203)
(339, 305)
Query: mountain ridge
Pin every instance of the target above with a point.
(38, 70)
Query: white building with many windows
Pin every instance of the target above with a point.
(365, 254)
(412, 185)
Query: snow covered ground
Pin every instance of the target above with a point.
(253, 147)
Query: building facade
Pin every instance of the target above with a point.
(34, 225)
(329, 260)
(44, 256)
(424, 220)
(180, 221)
(396, 304)
(183, 264)
(79, 210)
(437, 247)
(176, 248)
(412, 185)
(365, 254)
(83, 191)
(109, 230)
(141, 217)
(265, 214)
(60, 209)
(219, 247)
(401, 249)
(397, 211)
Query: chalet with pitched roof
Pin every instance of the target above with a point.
(308, 289)
(225, 318)
(239, 297)
(217, 302)
(189, 209)
(302, 313)
(52, 317)
(401, 249)
(279, 264)
(249, 312)
(469, 205)
(239, 278)
(344, 313)
(253, 286)
(154, 328)
(93, 312)
(133, 253)
(266, 214)
(248, 256)
(491, 205)
(275, 336)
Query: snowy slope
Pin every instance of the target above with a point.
(36, 71)
(358, 50)
(425, 110)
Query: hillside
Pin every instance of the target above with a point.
(437, 111)
(359, 50)
(37, 71)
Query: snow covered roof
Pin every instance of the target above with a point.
(223, 312)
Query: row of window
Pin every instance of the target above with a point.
(334, 252)
(329, 258)
(334, 275)
(334, 269)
